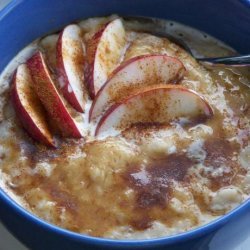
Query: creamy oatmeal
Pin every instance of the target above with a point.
(113, 132)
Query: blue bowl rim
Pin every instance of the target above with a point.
(165, 240)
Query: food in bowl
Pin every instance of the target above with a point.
(113, 132)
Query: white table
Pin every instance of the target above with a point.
(8, 242)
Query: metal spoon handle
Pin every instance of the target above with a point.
(232, 60)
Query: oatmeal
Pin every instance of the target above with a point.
(113, 132)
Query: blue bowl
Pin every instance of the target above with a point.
(23, 21)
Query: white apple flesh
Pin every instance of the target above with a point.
(158, 104)
(70, 66)
(28, 107)
(104, 51)
(136, 73)
(50, 97)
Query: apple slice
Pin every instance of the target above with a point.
(104, 51)
(70, 66)
(28, 107)
(50, 98)
(135, 73)
(157, 104)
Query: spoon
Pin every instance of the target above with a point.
(155, 24)
(239, 60)
(243, 60)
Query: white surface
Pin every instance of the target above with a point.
(8, 242)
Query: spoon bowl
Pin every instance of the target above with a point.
(153, 27)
